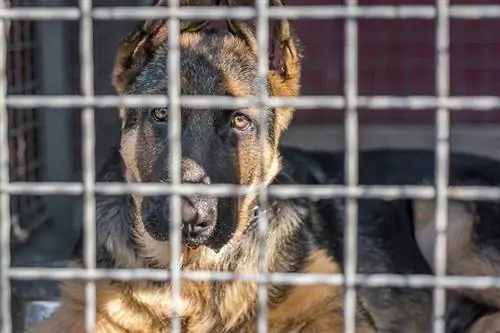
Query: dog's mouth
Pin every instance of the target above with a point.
(199, 235)
(194, 241)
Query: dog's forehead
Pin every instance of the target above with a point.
(210, 64)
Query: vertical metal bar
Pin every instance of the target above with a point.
(89, 218)
(442, 160)
(262, 8)
(173, 65)
(5, 222)
(351, 166)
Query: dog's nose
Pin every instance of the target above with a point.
(199, 212)
(188, 212)
(198, 218)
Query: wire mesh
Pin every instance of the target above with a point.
(352, 12)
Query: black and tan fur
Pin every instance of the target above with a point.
(212, 63)
(304, 236)
(473, 233)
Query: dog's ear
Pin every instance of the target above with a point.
(284, 56)
(284, 49)
(286, 61)
(137, 49)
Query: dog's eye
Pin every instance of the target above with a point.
(241, 122)
(159, 115)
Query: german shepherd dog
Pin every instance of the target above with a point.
(304, 235)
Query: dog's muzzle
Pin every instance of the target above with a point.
(198, 213)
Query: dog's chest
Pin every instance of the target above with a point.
(306, 309)
(309, 308)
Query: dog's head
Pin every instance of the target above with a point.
(218, 146)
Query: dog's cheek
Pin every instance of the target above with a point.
(227, 223)
(256, 165)
(249, 161)
(128, 153)
(151, 162)
(154, 217)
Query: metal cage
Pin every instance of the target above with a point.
(24, 127)
(442, 12)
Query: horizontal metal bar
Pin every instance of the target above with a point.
(480, 103)
(290, 12)
(244, 13)
(186, 13)
(40, 13)
(283, 191)
(372, 280)
(473, 12)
